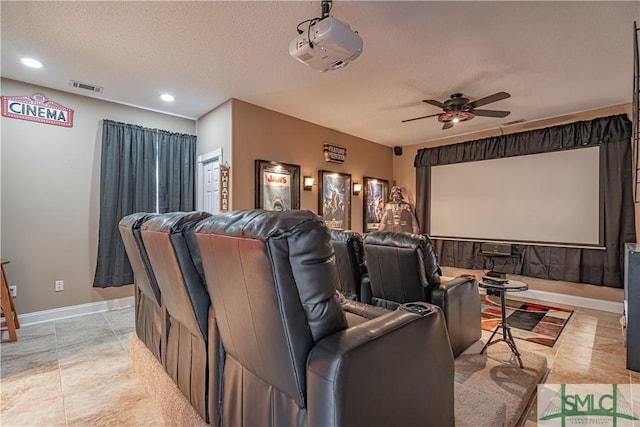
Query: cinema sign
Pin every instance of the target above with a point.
(37, 109)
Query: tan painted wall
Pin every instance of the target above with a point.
(50, 179)
(214, 132)
(405, 175)
(264, 134)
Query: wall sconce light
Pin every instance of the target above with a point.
(357, 187)
(308, 183)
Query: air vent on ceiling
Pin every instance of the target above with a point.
(86, 86)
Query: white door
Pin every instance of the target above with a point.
(209, 181)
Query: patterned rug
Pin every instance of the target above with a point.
(529, 321)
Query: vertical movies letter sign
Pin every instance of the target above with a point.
(224, 188)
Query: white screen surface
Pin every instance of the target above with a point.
(539, 198)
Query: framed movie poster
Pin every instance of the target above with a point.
(277, 186)
(334, 199)
(376, 195)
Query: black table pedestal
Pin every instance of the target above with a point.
(502, 289)
(506, 331)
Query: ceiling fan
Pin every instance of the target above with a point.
(459, 109)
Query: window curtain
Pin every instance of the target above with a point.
(177, 169)
(613, 135)
(142, 170)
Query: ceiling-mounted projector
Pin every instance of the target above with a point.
(333, 45)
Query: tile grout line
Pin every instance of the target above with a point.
(113, 331)
(561, 340)
(64, 406)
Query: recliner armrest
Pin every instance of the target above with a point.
(365, 289)
(460, 301)
(363, 310)
(396, 369)
(458, 281)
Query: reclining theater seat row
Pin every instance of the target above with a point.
(290, 359)
(403, 267)
(191, 348)
(149, 311)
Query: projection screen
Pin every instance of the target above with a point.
(549, 198)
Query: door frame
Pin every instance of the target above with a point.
(202, 159)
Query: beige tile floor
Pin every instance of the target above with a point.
(76, 372)
(73, 372)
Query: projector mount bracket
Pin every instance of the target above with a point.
(326, 6)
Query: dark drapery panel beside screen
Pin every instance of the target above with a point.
(128, 184)
(613, 135)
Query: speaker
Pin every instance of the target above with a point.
(496, 274)
(397, 150)
(495, 249)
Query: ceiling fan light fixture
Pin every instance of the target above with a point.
(459, 109)
(455, 116)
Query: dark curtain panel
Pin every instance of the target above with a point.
(130, 182)
(613, 135)
(177, 171)
(127, 185)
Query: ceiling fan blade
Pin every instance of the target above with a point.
(489, 99)
(491, 113)
(434, 102)
(419, 118)
(447, 125)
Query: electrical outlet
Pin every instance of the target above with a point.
(13, 290)
(59, 285)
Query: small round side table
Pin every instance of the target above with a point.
(502, 288)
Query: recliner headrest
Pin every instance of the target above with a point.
(256, 223)
(345, 235)
(391, 238)
(135, 220)
(173, 222)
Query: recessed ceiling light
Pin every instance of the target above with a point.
(30, 62)
(166, 97)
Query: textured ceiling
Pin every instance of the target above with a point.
(554, 58)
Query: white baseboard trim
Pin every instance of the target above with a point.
(113, 304)
(576, 301)
(74, 310)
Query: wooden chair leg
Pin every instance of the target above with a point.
(8, 309)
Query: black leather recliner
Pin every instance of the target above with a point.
(192, 350)
(403, 267)
(290, 359)
(351, 267)
(149, 312)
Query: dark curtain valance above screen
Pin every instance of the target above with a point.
(598, 267)
(141, 170)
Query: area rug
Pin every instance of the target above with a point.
(538, 323)
(492, 390)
